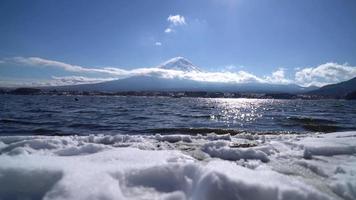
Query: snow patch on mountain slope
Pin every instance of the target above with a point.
(179, 64)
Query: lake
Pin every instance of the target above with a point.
(84, 115)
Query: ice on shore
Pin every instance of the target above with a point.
(223, 151)
(311, 166)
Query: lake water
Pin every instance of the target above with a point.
(63, 115)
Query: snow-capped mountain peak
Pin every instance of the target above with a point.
(180, 64)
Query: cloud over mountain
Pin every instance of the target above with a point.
(325, 74)
(278, 77)
(182, 68)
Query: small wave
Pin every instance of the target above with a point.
(15, 121)
(51, 132)
(87, 126)
(322, 128)
(311, 120)
(85, 111)
(27, 122)
(140, 118)
(194, 116)
(218, 131)
(314, 124)
(39, 110)
(194, 131)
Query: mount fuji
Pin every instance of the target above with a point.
(179, 64)
(157, 80)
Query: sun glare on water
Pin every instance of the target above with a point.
(238, 111)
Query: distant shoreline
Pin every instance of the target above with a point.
(171, 94)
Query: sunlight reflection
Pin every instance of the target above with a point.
(238, 111)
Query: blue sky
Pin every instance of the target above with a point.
(304, 41)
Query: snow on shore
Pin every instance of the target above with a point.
(315, 166)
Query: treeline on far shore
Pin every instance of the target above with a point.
(174, 94)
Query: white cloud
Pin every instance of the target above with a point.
(40, 62)
(220, 77)
(278, 77)
(321, 75)
(176, 20)
(168, 30)
(324, 74)
(75, 80)
(158, 43)
(54, 81)
(116, 73)
(232, 68)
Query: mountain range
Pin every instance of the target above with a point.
(338, 90)
(154, 82)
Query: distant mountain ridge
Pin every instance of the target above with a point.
(337, 90)
(154, 82)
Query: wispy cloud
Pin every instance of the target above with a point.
(54, 81)
(232, 68)
(75, 80)
(41, 62)
(158, 44)
(117, 73)
(168, 30)
(320, 75)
